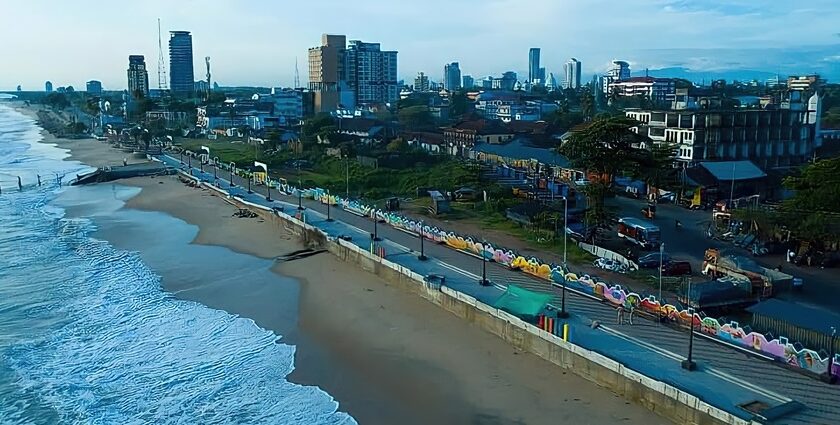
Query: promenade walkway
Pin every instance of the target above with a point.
(727, 377)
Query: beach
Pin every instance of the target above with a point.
(385, 355)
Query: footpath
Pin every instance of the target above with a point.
(742, 385)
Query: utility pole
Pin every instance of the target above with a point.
(422, 256)
(689, 364)
(563, 313)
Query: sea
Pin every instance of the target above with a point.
(89, 334)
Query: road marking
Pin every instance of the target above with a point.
(713, 371)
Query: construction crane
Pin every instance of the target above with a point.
(161, 63)
(207, 61)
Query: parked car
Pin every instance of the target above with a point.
(676, 268)
(651, 261)
(611, 265)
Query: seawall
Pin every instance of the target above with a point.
(659, 397)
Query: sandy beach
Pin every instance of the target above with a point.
(387, 356)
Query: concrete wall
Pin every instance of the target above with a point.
(659, 397)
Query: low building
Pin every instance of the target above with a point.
(460, 138)
(730, 179)
(428, 141)
(365, 130)
(168, 119)
(238, 113)
(93, 87)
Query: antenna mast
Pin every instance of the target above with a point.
(207, 61)
(161, 63)
(297, 74)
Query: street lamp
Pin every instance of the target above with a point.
(300, 198)
(422, 256)
(215, 168)
(375, 226)
(232, 168)
(181, 158)
(189, 160)
(661, 260)
(249, 183)
(483, 281)
(347, 177)
(689, 364)
(563, 313)
(829, 376)
(328, 207)
(267, 187)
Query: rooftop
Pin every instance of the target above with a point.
(812, 318)
(733, 170)
(520, 149)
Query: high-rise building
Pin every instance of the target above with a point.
(138, 76)
(571, 74)
(421, 83)
(181, 77)
(372, 73)
(452, 76)
(620, 70)
(467, 82)
(93, 87)
(551, 82)
(48, 87)
(327, 77)
(534, 64)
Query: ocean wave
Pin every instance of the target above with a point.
(87, 335)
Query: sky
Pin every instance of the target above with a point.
(256, 42)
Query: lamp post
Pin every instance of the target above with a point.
(215, 168)
(267, 187)
(422, 256)
(181, 156)
(249, 183)
(483, 281)
(689, 364)
(189, 160)
(201, 164)
(346, 177)
(661, 261)
(328, 207)
(376, 227)
(829, 376)
(563, 313)
(232, 168)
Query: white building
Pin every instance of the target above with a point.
(620, 70)
(656, 89)
(571, 74)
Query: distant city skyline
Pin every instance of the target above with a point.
(258, 45)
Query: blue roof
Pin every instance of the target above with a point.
(520, 150)
(803, 316)
(741, 170)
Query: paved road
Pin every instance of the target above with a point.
(728, 376)
(690, 242)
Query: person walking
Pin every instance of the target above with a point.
(125, 162)
(619, 320)
(632, 310)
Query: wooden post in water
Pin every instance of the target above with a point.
(20, 184)
(39, 180)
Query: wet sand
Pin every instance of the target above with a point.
(387, 356)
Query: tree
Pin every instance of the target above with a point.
(657, 169)
(313, 126)
(76, 127)
(565, 120)
(146, 137)
(606, 147)
(415, 116)
(813, 212)
(458, 104)
(587, 105)
(397, 145)
(57, 100)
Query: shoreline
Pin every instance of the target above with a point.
(385, 355)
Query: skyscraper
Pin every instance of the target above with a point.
(327, 77)
(138, 76)
(468, 82)
(181, 77)
(620, 70)
(421, 83)
(534, 64)
(93, 87)
(452, 76)
(372, 73)
(571, 74)
(48, 87)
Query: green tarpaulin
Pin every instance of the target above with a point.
(522, 302)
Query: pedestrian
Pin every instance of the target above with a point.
(791, 255)
(125, 162)
(788, 255)
(809, 260)
(632, 310)
(620, 315)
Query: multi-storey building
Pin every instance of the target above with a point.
(452, 76)
(534, 65)
(327, 74)
(421, 82)
(138, 76)
(656, 89)
(768, 137)
(620, 71)
(48, 87)
(93, 87)
(467, 82)
(571, 74)
(181, 76)
(372, 73)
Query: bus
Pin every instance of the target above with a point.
(639, 232)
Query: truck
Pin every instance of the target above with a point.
(639, 232)
(763, 282)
